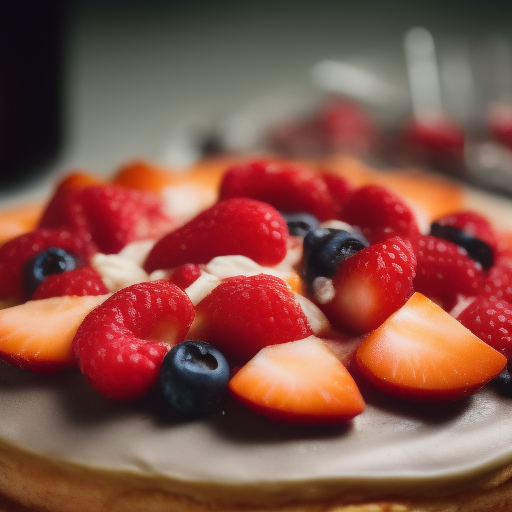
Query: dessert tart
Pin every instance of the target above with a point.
(256, 335)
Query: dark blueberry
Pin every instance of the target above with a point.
(300, 223)
(503, 383)
(326, 249)
(477, 249)
(50, 261)
(194, 377)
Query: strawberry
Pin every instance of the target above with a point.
(111, 216)
(289, 187)
(300, 382)
(379, 213)
(184, 275)
(244, 314)
(120, 344)
(471, 231)
(370, 285)
(491, 321)
(422, 353)
(234, 226)
(445, 271)
(81, 281)
(38, 335)
(15, 254)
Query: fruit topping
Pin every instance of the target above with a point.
(194, 377)
(234, 226)
(325, 249)
(371, 285)
(38, 335)
(491, 321)
(120, 345)
(111, 216)
(422, 353)
(289, 187)
(379, 213)
(15, 253)
(470, 231)
(46, 263)
(300, 223)
(300, 382)
(184, 275)
(244, 314)
(498, 281)
(445, 271)
(81, 281)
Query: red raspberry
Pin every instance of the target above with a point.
(340, 190)
(498, 282)
(79, 282)
(15, 253)
(111, 216)
(445, 271)
(371, 285)
(121, 343)
(244, 314)
(380, 214)
(491, 321)
(289, 187)
(234, 226)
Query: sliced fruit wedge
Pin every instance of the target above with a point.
(38, 335)
(422, 353)
(300, 382)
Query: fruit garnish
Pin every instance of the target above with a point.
(370, 285)
(38, 335)
(144, 175)
(80, 281)
(288, 186)
(339, 188)
(111, 216)
(300, 382)
(300, 223)
(184, 275)
(422, 353)
(244, 314)
(325, 249)
(497, 284)
(53, 260)
(15, 253)
(120, 345)
(471, 231)
(379, 213)
(234, 226)
(194, 377)
(18, 220)
(445, 271)
(491, 321)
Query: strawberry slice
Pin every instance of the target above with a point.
(422, 353)
(379, 213)
(234, 226)
(491, 321)
(80, 281)
(244, 314)
(370, 285)
(120, 345)
(300, 382)
(289, 187)
(38, 335)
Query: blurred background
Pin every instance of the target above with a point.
(90, 83)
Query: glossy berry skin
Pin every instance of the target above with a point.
(300, 223)
(194, 377)
(325, 249)
(477, 249)
(46, 263)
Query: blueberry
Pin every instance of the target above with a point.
(194, 377)
(326, 249)
(300, 223)
(503, 383)
(477, 249)
(50, 261)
